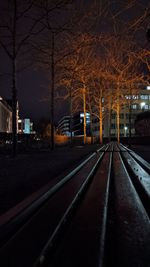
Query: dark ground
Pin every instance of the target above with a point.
(143, 151)
(27, 173)
(36, 172)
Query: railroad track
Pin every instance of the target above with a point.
(97, 216)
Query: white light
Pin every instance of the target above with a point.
(142, 104)
(148, 87)
(126, 128)
(1, 98)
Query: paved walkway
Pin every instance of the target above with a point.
(25, 174)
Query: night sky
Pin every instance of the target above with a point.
(33, 84)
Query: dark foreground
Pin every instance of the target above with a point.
(98, 215)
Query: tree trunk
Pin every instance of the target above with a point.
(110, 114)
(91, 126)
(14, 109)
(130, 116)
(100, 119)
(70, 116)
(118, 118)
(52, 94)
(14, 89)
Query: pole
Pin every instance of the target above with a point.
(100, 119)
(52, 93)
(84, 118)
(70, 116)
(14, 89)
(118, 118)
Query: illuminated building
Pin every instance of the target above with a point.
(5, 117)
(133, 105)
(9, 102)
(77, 123)
(63, 127)
(25, 126)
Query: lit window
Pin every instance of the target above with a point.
(144, 96)
(134, 106)
(146, 107)
(128, 97)
(81, 115)
(87, 115)
(135, 97)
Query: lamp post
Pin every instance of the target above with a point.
(84, 111)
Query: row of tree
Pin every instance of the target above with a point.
(86, 60)
(102, 75)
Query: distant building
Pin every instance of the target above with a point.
(63, 126)
(135, 104)
(77, 123)
(5, 116)
(25, 126)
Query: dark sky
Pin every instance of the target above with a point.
(33, 85)
(33, 95)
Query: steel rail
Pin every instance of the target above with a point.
(41, 261)
(18, 221)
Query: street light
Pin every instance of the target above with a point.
(125, 131)
(142, 105)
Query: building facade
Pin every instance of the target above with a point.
(5, 117)
(63, 126)
(78, 124)
(25, 126)
(133, 105)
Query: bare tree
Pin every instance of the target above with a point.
(15, 31)
(125, 70)
(51, 48)
(75, 74)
